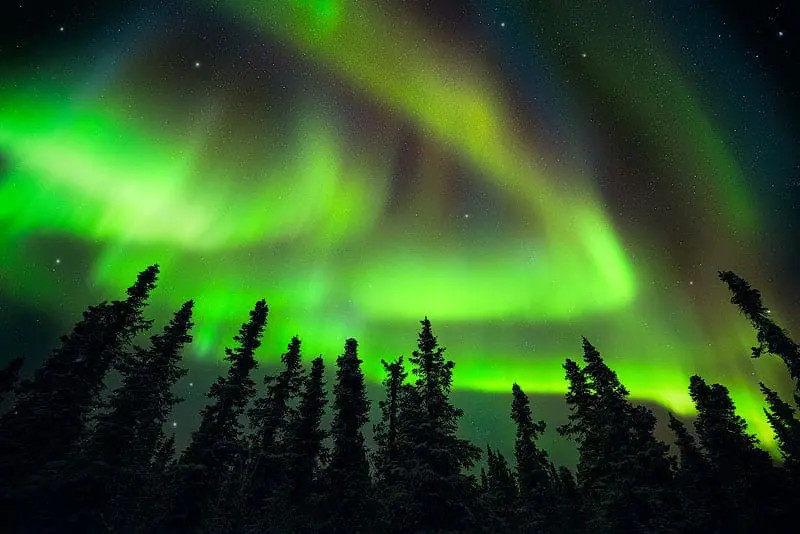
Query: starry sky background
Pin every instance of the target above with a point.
(524, 173)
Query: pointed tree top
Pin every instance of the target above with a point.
(696, 383)
(186, 309)
(258, 319)
(317, 367)
(747, 298)
(426, 341)
(145, 283)
(350, 347)
(590, 353)
(290, 358)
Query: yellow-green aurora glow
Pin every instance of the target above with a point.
(498, 230)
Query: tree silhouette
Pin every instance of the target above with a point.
(386, 454)
(349, 505)
(305, 452)
(771, 337)
(786, 425)
(747, 480)
(624, 473)
(128, 434)
(269, 421)
(217, 447)
(76, 459)
(50, 412)
(436, 494)
(535, 471)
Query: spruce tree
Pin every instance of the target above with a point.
(771, 337)
(535, 471)
(386, 455)
(348, 484)
(784, 421)
(269, 422)
(9, 376)
(748, 482)
(775, 340)
(271, 413)
(624, 473)
(389, 458)
(217, 449)
(50, 413)
(438, 495)
(128, 432)
(304, 453)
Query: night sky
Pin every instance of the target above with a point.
(524, 173)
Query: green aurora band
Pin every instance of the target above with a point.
(300, 213)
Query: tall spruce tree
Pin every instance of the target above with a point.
(438, 495)
(217, 448)
(271, 413)
(624, 473)
(535, 471)
(304, 455)
(128, 433)
(50, 412)
(771, 337)
(385, 457)
(348, 492)
(784, 421)
(749, 483)
(9, 376)
(269, 423)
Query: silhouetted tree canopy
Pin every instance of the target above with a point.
(77, 458)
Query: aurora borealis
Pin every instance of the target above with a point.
(523, 173)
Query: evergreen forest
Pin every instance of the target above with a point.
(287, 453)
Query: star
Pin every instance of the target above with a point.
(197, 64)
(583, 54)
(191, 384)
(466, 215)
(61, 29)
(780, 34)
(502, 24)
(174, 424)
(58, 260)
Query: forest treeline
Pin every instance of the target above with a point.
(75, 457)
